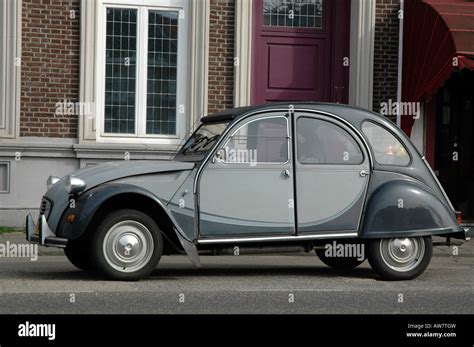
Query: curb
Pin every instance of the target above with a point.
(20, 238)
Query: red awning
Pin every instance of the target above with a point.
(438, 39)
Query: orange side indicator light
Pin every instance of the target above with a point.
(459, 217)
(71, 218)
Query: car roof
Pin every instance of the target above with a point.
(353, 115)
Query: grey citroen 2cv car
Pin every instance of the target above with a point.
(268, 179)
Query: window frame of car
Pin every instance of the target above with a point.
(200, 156)
(352, 133)
(245, 122)
(398, 138)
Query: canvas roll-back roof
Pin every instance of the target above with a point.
(353, 115)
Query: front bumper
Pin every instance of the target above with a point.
(42, 234)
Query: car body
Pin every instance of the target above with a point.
(271, 178)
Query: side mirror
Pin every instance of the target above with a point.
(220, 156)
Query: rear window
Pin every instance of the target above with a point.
(387, 149)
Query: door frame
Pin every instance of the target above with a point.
(284, 166)
(458, 88)
(360, 141)
(336, 80)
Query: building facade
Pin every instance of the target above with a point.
(438, 64)
(88, 81)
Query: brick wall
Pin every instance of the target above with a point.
(49, 66)
(221, 55)
(386, 52)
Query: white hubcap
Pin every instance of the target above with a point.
(128, 246)
(402, 254)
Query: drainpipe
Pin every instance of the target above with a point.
(400, 62)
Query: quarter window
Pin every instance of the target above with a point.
(387, 149)
(322, 142)
(260, 141)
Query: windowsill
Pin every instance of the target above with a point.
(139, 141)
(104, 146)
(69, 148)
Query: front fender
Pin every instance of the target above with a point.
(402, 208)
(88, 204)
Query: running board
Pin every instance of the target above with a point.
(276, 238)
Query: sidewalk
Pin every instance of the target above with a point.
(20, 238)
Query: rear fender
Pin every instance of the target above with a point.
(401, 208)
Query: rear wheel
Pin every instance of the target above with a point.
(400, 258)
(340, 262)
(127, 245)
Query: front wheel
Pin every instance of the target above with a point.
(79, 256)
(127, 245)
(401, 258)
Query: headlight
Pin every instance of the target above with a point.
(51, 180)
(74, 185)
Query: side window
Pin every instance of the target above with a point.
(260, 141)
(322, 142)
(387, 149)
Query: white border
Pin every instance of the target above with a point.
(243, 52)
(10, 86)
(361, 71)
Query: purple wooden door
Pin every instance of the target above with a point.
(298, 50)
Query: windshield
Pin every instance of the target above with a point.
(201, 141)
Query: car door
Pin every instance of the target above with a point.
(332, 174)
(247, 189)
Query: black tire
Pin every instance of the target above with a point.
(79, 255)
(125, 231)
(338, 263)
(389, 268)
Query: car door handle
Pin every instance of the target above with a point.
(286, 174)
(364, 173)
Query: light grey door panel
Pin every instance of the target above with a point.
(329, 199)
(249, 200)
(249, 190)
(332, 174)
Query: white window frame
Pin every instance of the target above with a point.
(182, 96)
(10, 69)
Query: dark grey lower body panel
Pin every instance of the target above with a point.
(448, 232)
(222, 227)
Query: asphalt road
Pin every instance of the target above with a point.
(238, 284)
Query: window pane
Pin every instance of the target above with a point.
(293, 13)
(203, 139)
(321, 142)
(388, 150)
(162, 65)
(120, 71)
(261, 141)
